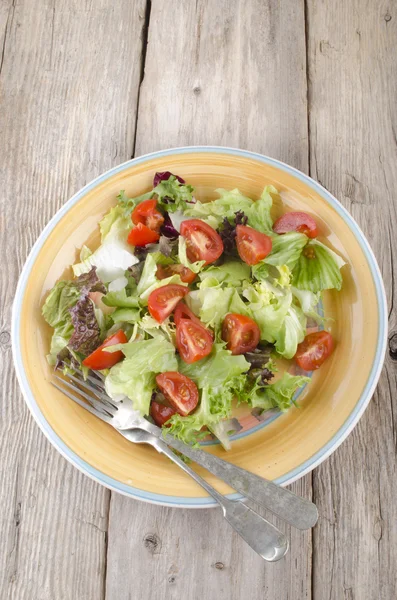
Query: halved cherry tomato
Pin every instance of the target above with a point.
(182, 311)
(100, 359)
(314, 349)
(186, 274)
(179, 390)
(296, 221)
(252, 245)
(202, 241)
(193, 340)
(241, 333)
(161, 413)
(140, 235)
(147, 214)
(163, 300)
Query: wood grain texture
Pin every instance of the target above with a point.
(230, 73)
(69, 78)
(353, 148)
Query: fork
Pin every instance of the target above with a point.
(263, 537)
(298, 512)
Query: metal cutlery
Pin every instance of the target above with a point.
(263, 537)
(297, 511)
(293, 509)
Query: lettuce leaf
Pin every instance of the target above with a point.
(120, 299)
(149, 282)
(259, 213)
(173, 195)
(226, 205)
(318, 268)
(134, 377)
(213, 302)
(231, 273)
(61, 299)
(276, 395)
(219, 377)
(126, 315)
(86, 335)
(217, 369)
(269, 306)
(308, 302)
(286, 249)
(291, 332)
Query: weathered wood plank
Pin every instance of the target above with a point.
(353, 123)
(226, 73)
(69, 77)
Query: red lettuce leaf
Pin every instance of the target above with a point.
(164, 176)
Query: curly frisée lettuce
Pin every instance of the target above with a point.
(109, 298)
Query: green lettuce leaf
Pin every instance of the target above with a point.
(126, 315)
(226, 205)
(119, 383)
(231, 273)
(259, 212)
(318, 268)
(217, 369)
(277, 395)
(135, 375)
(173, 195)
(286, 249)
(291, 332)
(308, 302)
(219, 377)
(149, 282)
(120, 299)
(269, 306)
(211, 303)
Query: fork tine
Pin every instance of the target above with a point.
(97, 404)
(84, 405)
(96, 379)
(100, 395)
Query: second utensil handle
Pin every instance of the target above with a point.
(297, 511)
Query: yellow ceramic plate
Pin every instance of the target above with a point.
(282, 449)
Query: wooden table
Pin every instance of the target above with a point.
(88, 84)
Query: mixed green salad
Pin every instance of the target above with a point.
(186, 305)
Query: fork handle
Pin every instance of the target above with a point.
(263, 537)
(297, 511)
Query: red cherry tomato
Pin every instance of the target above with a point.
(163, 300)
(241, 333)
(161, 413)
(140, 235)
(100, 359)
(186, 274)
(202, 241)
(252, 245)
(147, 214)
(182, 311)
(193, 340)
(180, 391)
(314, 349)
(296, 221)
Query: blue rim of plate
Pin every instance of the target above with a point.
(206, 502)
